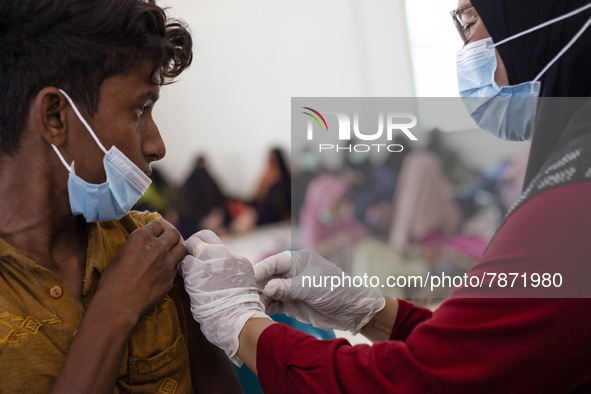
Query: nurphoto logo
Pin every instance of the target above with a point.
(390, 124)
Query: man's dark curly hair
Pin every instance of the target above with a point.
(75, 45)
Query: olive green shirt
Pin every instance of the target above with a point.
(39, 319)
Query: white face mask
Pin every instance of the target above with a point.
(110, 200)
(507, 112)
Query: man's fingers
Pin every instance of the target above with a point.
(155, 228)
(171, 237)
(178, 252)
(168, 225)
(278, 264)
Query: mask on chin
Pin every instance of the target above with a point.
(110, 200)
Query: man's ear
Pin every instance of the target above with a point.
(49, 114)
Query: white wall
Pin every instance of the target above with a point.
(251, 57)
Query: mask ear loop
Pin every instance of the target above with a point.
(566, 48)
(535, 86)
(68, 167)
(83, 120)
(547, 23)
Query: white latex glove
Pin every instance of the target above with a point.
(281, 277)
(222, 290)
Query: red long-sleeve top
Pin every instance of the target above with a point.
(468, 345)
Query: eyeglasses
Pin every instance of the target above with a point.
(464, 18)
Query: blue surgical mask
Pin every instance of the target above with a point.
(506, 112)
(110, 200)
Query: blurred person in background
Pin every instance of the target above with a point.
(394, 160)
(327, 223)
(307, 165)
(371, 187)
(200, 203)
(272, 200)
(454, 169)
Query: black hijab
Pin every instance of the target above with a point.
(526, 56)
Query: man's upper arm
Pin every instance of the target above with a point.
(211, 370)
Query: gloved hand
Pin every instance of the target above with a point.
(222, 290)
(315, 300)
